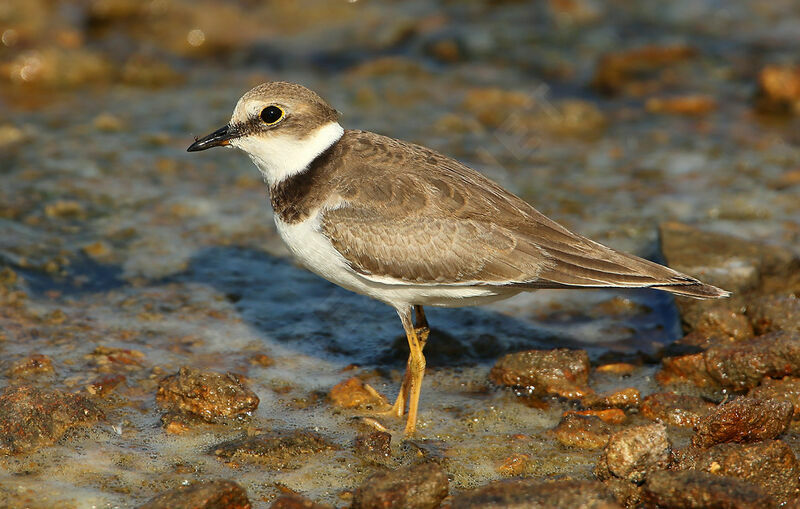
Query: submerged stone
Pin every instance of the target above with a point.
(421, 486)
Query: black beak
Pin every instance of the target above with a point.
(218, 138)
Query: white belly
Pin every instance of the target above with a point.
(312, 249)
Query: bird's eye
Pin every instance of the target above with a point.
(271, 115)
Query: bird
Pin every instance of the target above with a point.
(409, 226)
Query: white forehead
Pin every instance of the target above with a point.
(249, 107)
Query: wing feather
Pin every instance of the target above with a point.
(411, 215)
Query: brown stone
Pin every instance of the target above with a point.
(421, 486)
(632, 452)
(559, 372)
(681, 105)
(278, 450)
(374, 446)
(617, 71)
(31, 418)
(775, 313)
(202, 495)
(608, 415)
(743, 420)
(742, 365)
(769, 464)
(353, 393)
(700, 490)
(209, 395)
(616, 368)
(583, 432)
(32, 366)
(779, 90)
(784, 389)
(623, 398)
(294, 501)
(514, 465)
(682, 369)
(534, 493)
(675, 409)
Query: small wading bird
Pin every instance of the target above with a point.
(411, 227)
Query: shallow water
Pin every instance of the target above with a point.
(143, 246)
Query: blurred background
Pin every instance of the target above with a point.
(612, 117)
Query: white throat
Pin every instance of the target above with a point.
(281, 156)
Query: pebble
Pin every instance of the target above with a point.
(218, 494)
(206, 394)
(743, 420)
(421, 486)
(530, 493)
(675, 409)
(374, 446)
(31, 418)
(779, 90)
(276, 450)
(698, 490)
(559, 372)
(354, 393)
(582, 432)
(295, 501)
(769, 464)
(634, 451)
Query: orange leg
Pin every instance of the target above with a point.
(415, 371)
(422, 330)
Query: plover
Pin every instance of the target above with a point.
(408, 226)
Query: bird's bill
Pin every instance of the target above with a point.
(218, 138)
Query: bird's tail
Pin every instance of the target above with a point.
(696, 290)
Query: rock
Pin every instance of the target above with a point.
(682, 105)
(583, 432)
(65, 209)
(608, 416)
(785, 389)
(616, 368)
(31, 418)
(275, 450)
(218, 494)
(560, 372)
(700, 490)
(627, 494)
(421, 486)
(617, 72)
(353, 393)
(734, 263)
(514, 465)
(32, 366)
(743, 420)
(743, 365)
(632, 452)
(104, 385)
(713, 322)
(623, 398)
(775, 313)
(111, 360)
(209, 395)
(682, 369)
(779, 90)
(531, 493)
(493, 106)
(297, 502)
(374, 446)
(675, 409)
(769, 464)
